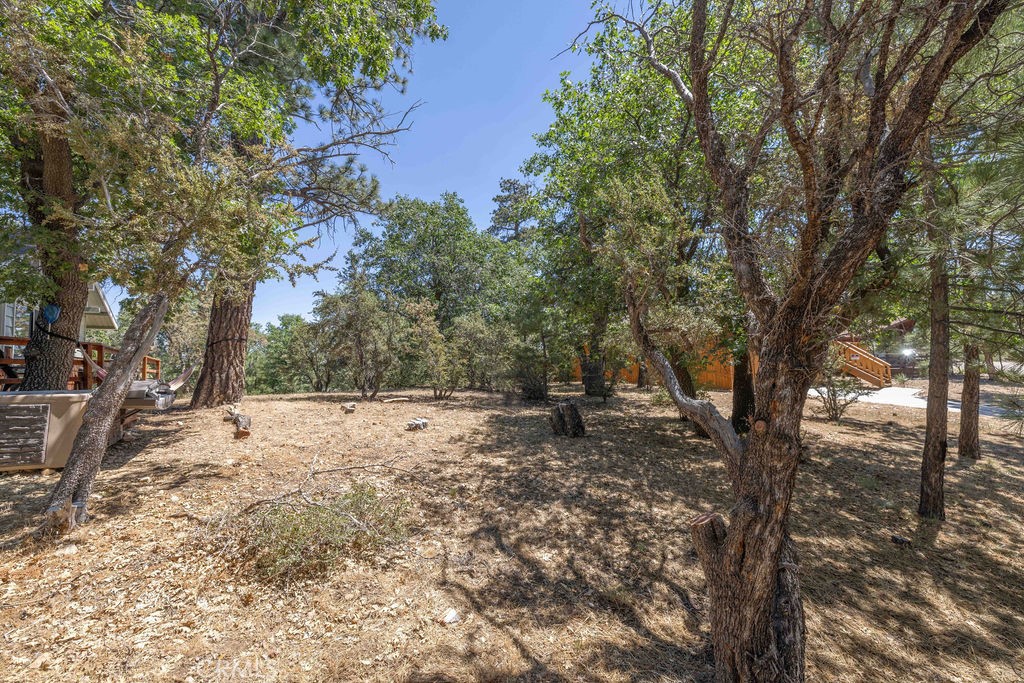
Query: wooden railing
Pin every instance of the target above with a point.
(83, 375)
(862, 364)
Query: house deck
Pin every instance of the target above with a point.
(83, 375)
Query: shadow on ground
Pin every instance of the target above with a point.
(23, 495)
(593, 531)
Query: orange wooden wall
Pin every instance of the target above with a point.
(716, 374)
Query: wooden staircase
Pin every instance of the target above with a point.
(862, 364)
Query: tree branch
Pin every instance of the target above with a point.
(704, 413)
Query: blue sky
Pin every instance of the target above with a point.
(481, 104)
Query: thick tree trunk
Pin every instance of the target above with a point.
(50, 353)
(75, 486)
(755, 608)
(742, 394)
(933, 460)
(222, 379)
(685, 378)
(970, 403)
(47, 184)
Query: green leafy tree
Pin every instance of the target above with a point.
(292, 355)
(315, 62)
(441, 359)
(634, 210)
(514, 211)
(431, 250)
(365, 331)
(807, 117)
(482, 342)
(157, 154)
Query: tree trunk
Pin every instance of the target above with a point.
(970, 403)
(222, 379)
(742, 394)
(592, 367)
(685, 378)
(47, 184)
(75, 486)
(755, 608)
(990, 365)
(689, 387)
(933, 460)
(50, 353)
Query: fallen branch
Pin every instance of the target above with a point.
(243, 423)
(312, 473)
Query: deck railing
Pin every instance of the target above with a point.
(83, 375)
(862, 364)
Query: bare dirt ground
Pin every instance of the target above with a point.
(566, 560)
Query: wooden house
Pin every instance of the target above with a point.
(38, 428)
(16, 320)
(717, 371)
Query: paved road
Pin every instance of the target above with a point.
(908, 397)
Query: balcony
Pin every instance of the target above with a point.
(83, 374)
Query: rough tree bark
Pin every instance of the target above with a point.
(933, 459)
(970, 403)
(742, 394)
(848, 200)
(682, 372)
(67, 502)
(222, 378)
(50, 353)
(566, 420)
(47, 185)
(755, 609)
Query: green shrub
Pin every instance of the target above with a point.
(838, 391)
(660, 397)
(1013, 406)
(299, 537)
(530, 374)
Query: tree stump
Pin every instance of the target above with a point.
(243, 423)
(566, 420)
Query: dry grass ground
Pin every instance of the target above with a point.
(566, 560)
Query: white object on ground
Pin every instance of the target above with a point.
(417, 423)
(450, 617)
